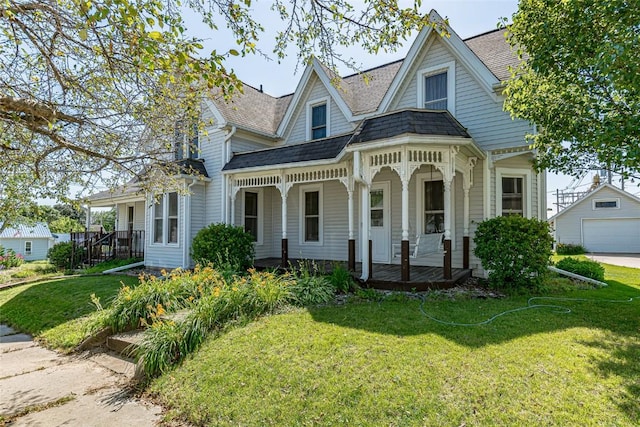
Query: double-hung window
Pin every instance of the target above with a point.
(319, 121)
(165, 219)
(311, 214)
(27, 248)
(435, 91)
(437, 87)
(251, 214)
(512, 196)
(433, 207)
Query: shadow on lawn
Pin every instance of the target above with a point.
(620, 319)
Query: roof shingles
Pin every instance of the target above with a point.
(362, 92)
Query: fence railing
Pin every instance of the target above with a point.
(102, 246)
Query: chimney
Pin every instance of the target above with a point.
(261, 89)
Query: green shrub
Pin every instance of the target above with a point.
(569, 249)
(155, 296)
(222, 243)
(167, 342)
(341, 279)
(515, 251)
(65, 256)
(311, 288)
(9, 258)
(586, 268)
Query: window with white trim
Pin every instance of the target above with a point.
(433, 221)
(27, 248)
(311, 214)
(606, 204)
(512, 196)
(436, 87)
(165, 219)
(252, 213)
(318, 118)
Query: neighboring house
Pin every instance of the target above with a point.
(422, 147)
(606, 220)
(32, 242)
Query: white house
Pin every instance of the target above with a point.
(32, 242)
(605, 220)
(420, 151)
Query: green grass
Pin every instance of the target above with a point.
(56, 312)
(388, 364)
(29, 270)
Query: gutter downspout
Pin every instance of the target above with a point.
(226, 156)
(187, 226)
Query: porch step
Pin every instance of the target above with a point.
(125, 343)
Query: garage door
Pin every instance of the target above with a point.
(611, 235)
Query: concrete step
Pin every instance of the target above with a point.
(116, 362)
(125, 343)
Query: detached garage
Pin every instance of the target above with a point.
(605, 220)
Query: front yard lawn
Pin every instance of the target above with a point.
(387, 363)
(55, 312)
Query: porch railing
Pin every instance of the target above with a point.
(98, 247)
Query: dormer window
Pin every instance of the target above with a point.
(186, 141)
(437, 87)
(435, 92)
(319, 121)
(318, 114)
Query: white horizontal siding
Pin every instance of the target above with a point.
(164, 256)
(212, 147)
(487, 123)
(338, 123)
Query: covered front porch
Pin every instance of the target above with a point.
(383, 276)
(404, 201)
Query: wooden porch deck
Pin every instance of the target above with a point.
(386, 276)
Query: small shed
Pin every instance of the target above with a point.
(30, 241)
(605, 220)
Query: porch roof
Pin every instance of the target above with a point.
(409, 121)
(321, 149)
(418, 122)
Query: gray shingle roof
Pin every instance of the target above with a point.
(193, 167)
(322, 149)
(493, 49)
(263, 113)
(417, 122)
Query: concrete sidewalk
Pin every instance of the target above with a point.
(39, 387)
(624, 260)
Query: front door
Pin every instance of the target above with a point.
(380, 221)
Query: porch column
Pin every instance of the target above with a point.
(465, 220)
(365, 209)
(467, 183)
(351, 263)
(404, 246)
(232, 205)
(447, 226)
(285, 240)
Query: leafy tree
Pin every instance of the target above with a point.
(64, 224)
(107, 219)
(580, 83)
(90, 91)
